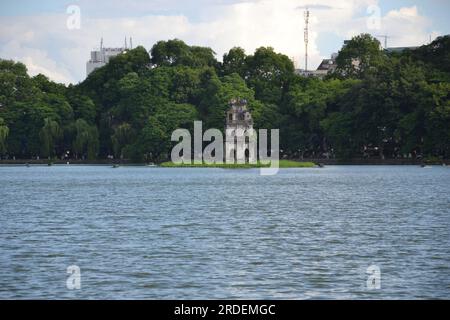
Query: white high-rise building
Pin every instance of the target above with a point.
(101, 57)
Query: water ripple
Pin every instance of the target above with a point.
(213, 233)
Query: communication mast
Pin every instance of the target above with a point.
(306, 15)
(386, 37)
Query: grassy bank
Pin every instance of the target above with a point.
(281, 164)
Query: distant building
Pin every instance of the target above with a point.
(101, 57)
(329, 65)
(325, 67)
(239, 127)
(399, 49)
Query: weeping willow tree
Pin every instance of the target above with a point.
(86, 140)
(122, 136)
(49, 135)
(4, 132)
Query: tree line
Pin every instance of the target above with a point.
(375, 104)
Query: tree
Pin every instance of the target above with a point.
(175, 53)
(135, 102)
(16, 85)
(102, 84)
(45, 85)
(376, 104)
(215, 95)
(185, 84)
(122, 136)
(4, 132)
(269, 74)
(202, 57)
(306, 104)
(437, 119)
(83, 107)
(358, 56)
(49, 135)
(86, 140)
(234, 62)
(338, 128)
(436, 56)
(154, 141)
(171, 52)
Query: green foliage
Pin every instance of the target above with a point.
(337, 128)
(83, 107)
(295, 164)
(123, 135)
(87, 140)
(102, 85)
(4, 132)
(360, 55)
(176, 52)
(49, 135)
(154, 140)
(269, 73)
(281, 164)
(376, 104)
(235, 62)
(436, 57)
(216, 94)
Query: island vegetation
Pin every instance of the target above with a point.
(391, 105)
(280, 164)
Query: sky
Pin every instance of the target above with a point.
(55, 37)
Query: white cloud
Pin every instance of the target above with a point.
(37, 61)
(46, 45)
(407, 27)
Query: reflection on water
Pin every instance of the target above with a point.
(139, 232)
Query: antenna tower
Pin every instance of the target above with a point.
(306, 15)
(385, 39)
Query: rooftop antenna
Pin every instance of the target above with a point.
(306, 16)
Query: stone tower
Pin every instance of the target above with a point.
(240, 138)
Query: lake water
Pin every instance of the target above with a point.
(179, 233)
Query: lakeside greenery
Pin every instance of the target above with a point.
(391, 105)
(281, 164)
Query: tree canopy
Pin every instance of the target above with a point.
(376, 104)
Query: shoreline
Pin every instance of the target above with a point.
(374, 162)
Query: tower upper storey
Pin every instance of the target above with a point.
(238, 115)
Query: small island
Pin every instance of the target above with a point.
(281, 164)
